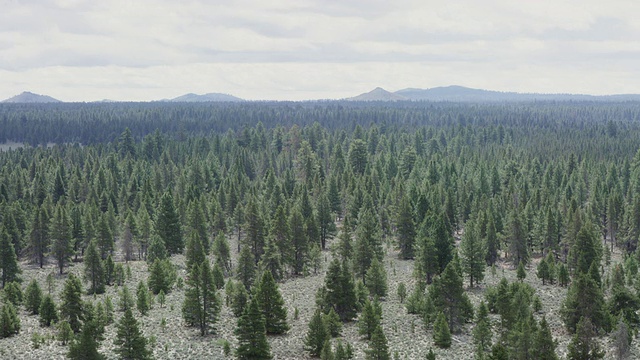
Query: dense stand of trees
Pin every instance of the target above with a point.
(517, 182)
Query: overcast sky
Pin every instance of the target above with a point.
(314, 49)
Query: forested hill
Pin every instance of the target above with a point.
(103, 122)
(354, 228)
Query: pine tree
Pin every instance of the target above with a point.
(563, 275)
(142, 298)
(333, 323)
(13, 293)
(544, 347)
(369, 318)
(39, 236)
(368, 244)
(443, 241)
(299, 241)
(218, 276)
(239, 299)
(104, 236)
(327, 352)
(194, 253)
(168, 225)
(377, 279)
(272, 305)
(251, 333)
(126, 300)
(406, 229)
(543, 271)
(317, 335)
(378, 348)
(222, 252)
(94, 271)
(162, 276)
(86, 344)
(473, 262)
(197, 224)
(441, 333)
(340, 291)
(109, 270)
(48, 311)
(426, 264)
(521, 273)
(201, 306)
(157, 250)
(9, 321)
(449, 297)
(71, 308)
(8, 259)
(584, 345)
(584, 299)
(271, 260)
(492, 245)
(246, 269)
(622, 338)
(325, 220)
(33, 297)
(518, 249)
(254, 227)
(482, 331)
(130, 343)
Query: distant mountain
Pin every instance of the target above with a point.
(213, 97)
(463, 94)
(28, 97)
(378, 94)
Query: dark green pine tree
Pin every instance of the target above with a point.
(521, 274)
(482, 331)
(317, 335)
(8, 259)
(518, 249)
(252, 335)
(195, 252)
(222, 252)
(272, 260)
(142, 298)
(39, 236)
(543, 271)
(201, 306)
(358, 156)
(325, 220)
(368, 244)
(544, 347)
(71, 308)
(130, 343)
(377, 279)
(254, 227)
(369, 318)
(60, 234)
(492, 244)
(406, 229)
(9, 321)
(48, 311)
(157, 250)
(378, 348)
(246, 269)
(563, 275)
(426, 264)
(33, 297)
(441, 333)
(584, 344)
(443, 241)
(86, 344)
(299, 241)
(94, 271)
(340, 293)
(587, 249)
(168, 225)
(345, 243)
(584, 300)
(448, 296)
(473, 262)
(197, 224)
(272, 305)
(104, 237)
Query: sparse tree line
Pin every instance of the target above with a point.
(454, 189)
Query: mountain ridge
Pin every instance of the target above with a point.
(27, 97)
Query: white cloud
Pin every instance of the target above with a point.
(285, 49)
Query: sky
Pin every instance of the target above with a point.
(145, 50)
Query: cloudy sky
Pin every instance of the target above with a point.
(78, 50)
